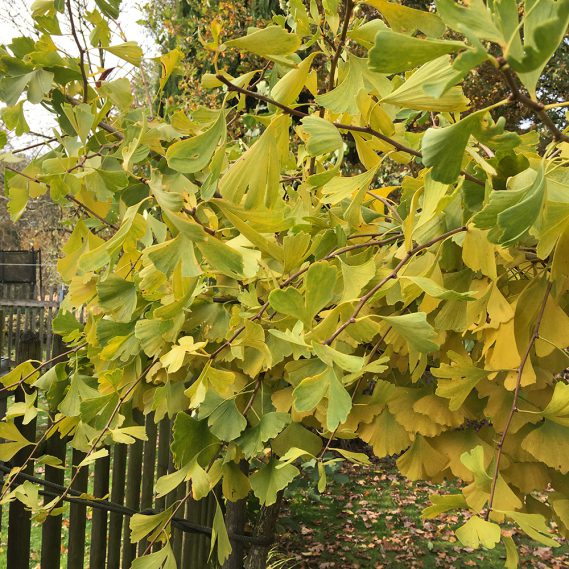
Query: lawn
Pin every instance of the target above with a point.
(372, 519)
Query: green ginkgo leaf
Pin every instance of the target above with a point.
(415, 329)
(394, 52)
(270, 479)
(194, 154)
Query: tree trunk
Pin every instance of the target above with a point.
(265, 529)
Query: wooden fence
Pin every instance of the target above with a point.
(90, 533)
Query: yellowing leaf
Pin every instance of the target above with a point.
(549, 443)
(129, 51)
(415, 329)
(408, 20)
(194, 154)
(394, 52)
(478, 253)
(535, 526)
(421, 460)
(476, 532)
(458, 379)
(272, 40)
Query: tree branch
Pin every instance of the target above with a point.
(535, 106)
(392, 275)
(514, 407)
(68, 196)
(292, 278)
(342, 126)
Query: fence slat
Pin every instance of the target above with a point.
(99, 522)
(19, 521)
(117, 496)
(77, 517)
(51, 528)
(148, 471)
(133, 480)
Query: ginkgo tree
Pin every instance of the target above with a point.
(274, 299)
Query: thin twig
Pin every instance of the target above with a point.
(81, 52)
(514, 407)
(349, 7)
(392, 275)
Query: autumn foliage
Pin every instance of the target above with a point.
(275, 302)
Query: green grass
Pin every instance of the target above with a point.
(370, 517)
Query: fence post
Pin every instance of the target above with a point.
(51, 528)
(117, 496)
(19, 520)
(99, 522)
(55, 446)
(133, 480)
(77, 516)
(235, 520)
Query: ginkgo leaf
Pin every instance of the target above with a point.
(474, 17)
(310, 392)
(270, 425)
(476, 532)
(535, 526)
(458, 379)
(161, 559)
(557, 409)
(272, 40)
(194, 154)
(323, 137)
(219, 536)
(443, 148)
(443, 504)
(143, 524)
(289, 301)
(169, 61)
(478, 253)
(16, 441)
(235, 483)
(386, 436)
(415, 329)
(549, 443)
(421, 460)
(192, 439)
(129, 51)
(510, 214)
(394, 52)
(408, 20)
(226, 421)
(289, 86)
(270, 479)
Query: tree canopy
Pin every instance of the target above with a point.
(274, 302)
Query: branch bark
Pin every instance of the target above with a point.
(514, 407)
